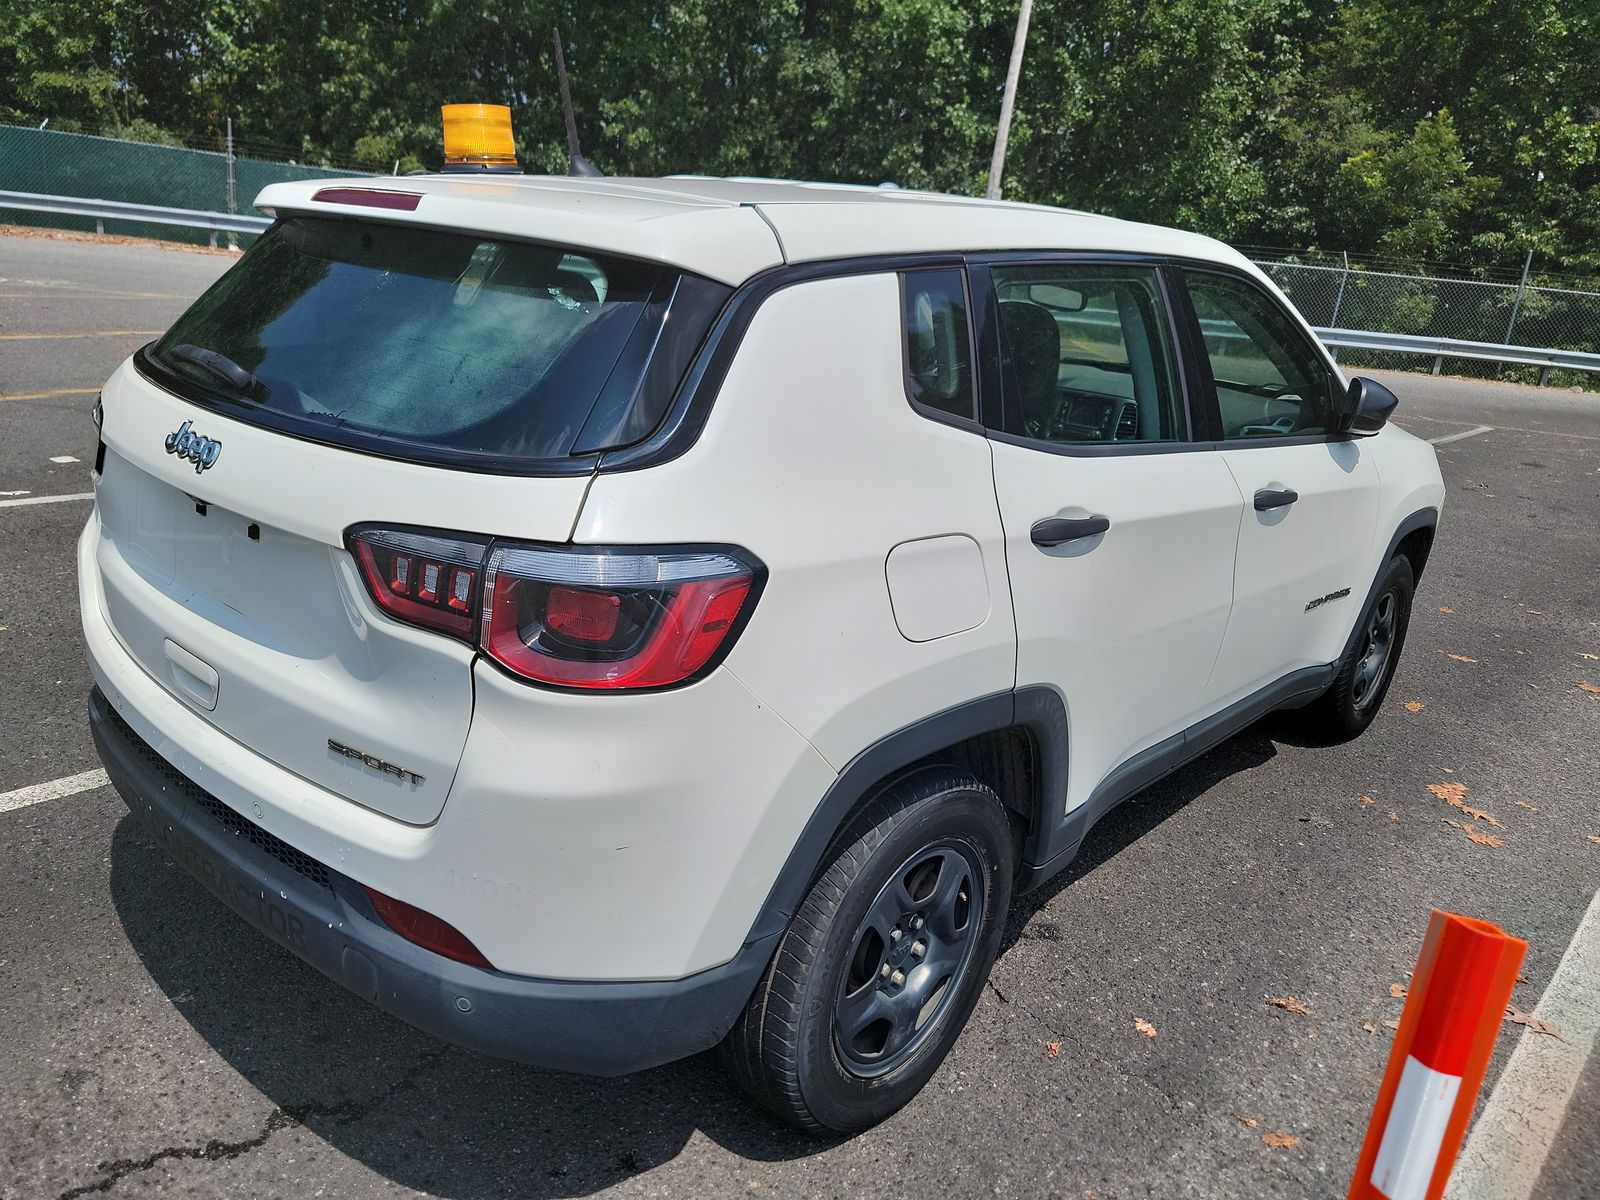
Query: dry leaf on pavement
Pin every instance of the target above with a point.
(1460, 657)
(1453, 824)
(1484, 839)
(1591, 688)
(1393, 816)
(1526, 805)
(1369, 1027)
(1365, 799)
(1391, 1024)
(1397, 990)
(1051, 1049)
(1581, 654)
(1249, 1122)
(1594, 839)
(1451, 793)
(1280, 1141)
(1413, 706)
(1446, 610)
(1517, 1017)
(1144, 1027)
(1480, 815)
(1290, 1004)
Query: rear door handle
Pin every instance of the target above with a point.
(1056, 531)
(1268, 499)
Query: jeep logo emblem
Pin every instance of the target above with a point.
(186, 443)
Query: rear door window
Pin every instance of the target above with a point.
(427, 344)
(938, 340)
(1087, 354)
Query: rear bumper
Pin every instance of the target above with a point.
(594, 1028)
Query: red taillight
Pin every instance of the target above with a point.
(426, 930)
(600, 618)
(426, 578)
(612, 618)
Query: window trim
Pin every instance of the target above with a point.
(1003, 387)
(1207, 388)
(972, 422)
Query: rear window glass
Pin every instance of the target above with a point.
(426, 344)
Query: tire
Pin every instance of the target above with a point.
(850, 1018)
(1351, 702)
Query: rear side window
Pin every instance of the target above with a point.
(938, 341)
(1270, 381)
(1088, 356)
(431, 345)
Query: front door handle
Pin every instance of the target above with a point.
(1269, 498)
(1056, 531)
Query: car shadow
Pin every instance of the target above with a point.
(442, 1120)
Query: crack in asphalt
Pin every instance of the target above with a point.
(285, 1116)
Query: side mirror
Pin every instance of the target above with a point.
(1367, 405)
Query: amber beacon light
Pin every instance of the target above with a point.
(477, 137)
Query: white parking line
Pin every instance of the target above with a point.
(46, 500)
(1515, 1130)
(54, 790)
(1456, 437)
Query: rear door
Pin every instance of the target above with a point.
(345, 374)
(1119, 525)
(1310, 496)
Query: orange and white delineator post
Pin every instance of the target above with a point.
(1452, 1016)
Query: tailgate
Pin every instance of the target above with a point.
(231, 586)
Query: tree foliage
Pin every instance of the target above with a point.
(1467, 131)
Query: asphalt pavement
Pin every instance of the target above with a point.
(156, 1045)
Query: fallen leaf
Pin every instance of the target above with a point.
(1413, 706)
(1369, 1027)
(1581, 653)
(1521, 651)
(1594, 839)
(1460, 657)
(1453, 824)
(1397, 990)
(1289, 1003)
(1484, 839)
(1280, 1141)
(1526, 805)
(1591, 688)
(1394, 816)
(1517, 1017)
(1365, 799)
(1144, 1027)
(1391, 1024)
(1249, 1122)
(1451, 793)
(1479, 815)
(1051, 1049)
(1446, 610)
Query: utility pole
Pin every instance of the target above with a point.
(233, 205)
(997, 164)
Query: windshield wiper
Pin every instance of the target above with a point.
(223, 367)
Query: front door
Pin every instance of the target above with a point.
(1310, 496)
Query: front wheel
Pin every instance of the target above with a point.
(1362, 680)
(877, 973)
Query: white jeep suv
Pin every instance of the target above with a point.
(596, 620)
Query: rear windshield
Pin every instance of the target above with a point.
(437, 346)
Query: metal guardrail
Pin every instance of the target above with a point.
(116, 210)
(1436, 348)
(1439, 349)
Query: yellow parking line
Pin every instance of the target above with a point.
(23, 337)
(46, 395)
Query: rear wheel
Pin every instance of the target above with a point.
(885, 959)
(1358, 688)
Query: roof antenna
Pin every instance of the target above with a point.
(577, 164)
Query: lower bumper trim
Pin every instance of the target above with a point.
(323, 917)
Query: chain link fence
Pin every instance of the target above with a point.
(103, 168)
(1337, 292)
